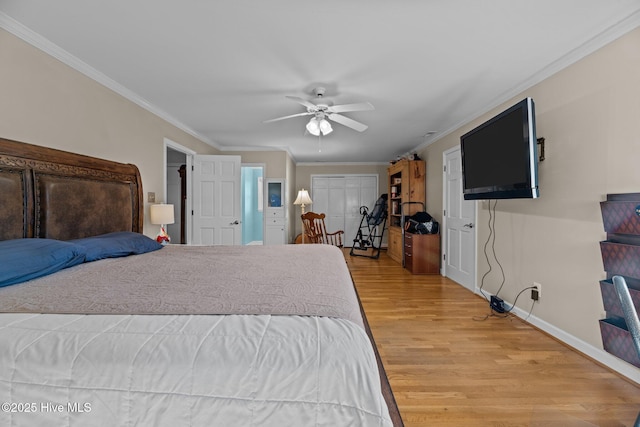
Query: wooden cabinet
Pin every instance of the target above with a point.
(406, 183)
(394, 244)
(275, 215)
(422, 253)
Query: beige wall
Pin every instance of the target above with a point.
(45, 102)
(589, 114)
(275, 161)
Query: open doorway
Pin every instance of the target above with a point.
(178, 162)
(177, 194)
(252, 185)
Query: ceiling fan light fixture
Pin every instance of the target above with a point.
(325, 127)
(313, 127)
(321, 110)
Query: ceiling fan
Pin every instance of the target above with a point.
(322, 110)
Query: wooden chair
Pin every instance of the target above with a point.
(316, 232)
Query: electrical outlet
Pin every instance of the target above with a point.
(539, 286)
(534, 294)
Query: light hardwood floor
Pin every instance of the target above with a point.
(450, 365)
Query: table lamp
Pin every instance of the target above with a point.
(302, 200)
(162, 215)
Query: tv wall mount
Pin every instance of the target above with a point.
(541, 144)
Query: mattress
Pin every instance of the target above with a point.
(187, 370)
(239, 349)
(284, 279)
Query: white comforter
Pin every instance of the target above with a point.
(187, 370)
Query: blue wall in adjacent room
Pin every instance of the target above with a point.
(252, 217)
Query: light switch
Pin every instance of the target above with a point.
(151, 196)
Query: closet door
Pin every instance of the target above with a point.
(340, 198)
(359, 191)
(328, 198)
(336, 208)
(319, 195)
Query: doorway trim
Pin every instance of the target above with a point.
(167, 143)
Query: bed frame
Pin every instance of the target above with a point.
(49, 193)
(55, 194)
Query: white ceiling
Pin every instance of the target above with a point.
(219, 69)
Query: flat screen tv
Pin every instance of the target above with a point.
(500, 157)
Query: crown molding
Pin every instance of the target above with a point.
(41, 43)
(342, 164)
(252, 148)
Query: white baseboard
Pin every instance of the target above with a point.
(600, 355)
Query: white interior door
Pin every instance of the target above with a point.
(359, 191)
(335, 210)
(216, 200)
(459, 235)
(340, 198)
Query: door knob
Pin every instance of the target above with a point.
(470, 225)
(236, 222)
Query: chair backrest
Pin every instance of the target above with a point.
(316, 232)
(314, 228)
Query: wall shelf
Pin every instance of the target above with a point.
(620, 256)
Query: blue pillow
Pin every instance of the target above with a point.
(115, 245)
(26, 259)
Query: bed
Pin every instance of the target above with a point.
(122, 332)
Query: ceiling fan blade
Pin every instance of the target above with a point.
(362, 106)
(288, 117)
(302, 102)
(346, 121)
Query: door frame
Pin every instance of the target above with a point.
(189, 162)
(445, 199)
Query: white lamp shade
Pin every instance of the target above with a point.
(161, 214)
(325, 127)
(303, 198)
(313, 127)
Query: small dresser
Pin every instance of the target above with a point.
(422, 253)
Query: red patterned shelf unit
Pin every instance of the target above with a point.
(620, 256)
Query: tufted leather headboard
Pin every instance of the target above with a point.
(55, 194)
